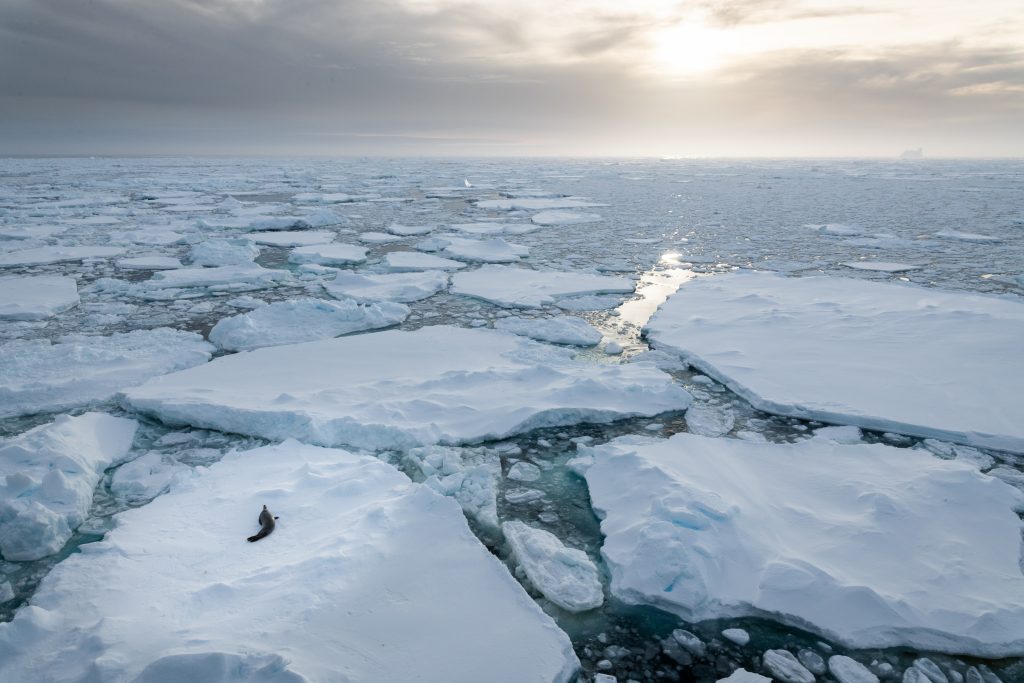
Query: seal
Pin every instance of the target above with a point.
(267, 525)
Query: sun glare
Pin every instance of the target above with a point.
(692, 49)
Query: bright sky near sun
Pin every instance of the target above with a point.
(594, 77)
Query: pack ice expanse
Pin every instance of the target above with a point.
(520, 420)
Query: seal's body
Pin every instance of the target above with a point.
(267, 525)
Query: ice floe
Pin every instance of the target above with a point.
(565, 576)
(219, 276)
(565, 329)
(328, 254)
(149, 263)
(302, 320)
(967, 237)
(871, 545)
(292, 239)
(564, 218)
(408, 261)
(856, 352)
(494, 228)
(881, 266)
(49, 475)
(399, 389)
(36, 298)
(494, 250)
(45, 255)
(410, 230)
(146, 477)
(526, 288)
(535, 204)
(223, 252)
(404, 287)
(744, 676)
(367, 577)
(39, 376)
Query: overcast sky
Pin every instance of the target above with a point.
(516, 77)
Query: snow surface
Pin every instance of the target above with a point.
(328, 254)
(49, 475)
(565, 576)
(887, 357)
(564, 329)
(44, 255)
(522, 287)
(36, 298)
(404, 287)
(398, 389)
(367, 577)
(39, 376)
(871, 545)
(406, 261)
(302, 320)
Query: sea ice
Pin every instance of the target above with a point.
(398, 389)
(856, 352)
(404, 287)
(220, 276)
(223, 252)
(149, 263)
(526, 288)
(40, 256)
(494, 250)
(565, 576)
(494, 228)
(469, 475)
(736, 635)
(567, 330)
(410, 230)
(276, 238)
(408, 261)
(368, 577)
(881, 266)
(49, 474)
(145, 478)
(967, 237)
(564, 218)
(848, 670)
(302, 320)
(36, 298)
(535, 204)
(374, 237)
(328, 254)
(38, 376)
(785, 667)
(744, 676)
(707, 420)
(870, 545)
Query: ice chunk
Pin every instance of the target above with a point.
(400, 389)
(744, 676)
(348, 587)
(301, 320)
(404, 287)
(145, 478)
(848, 670)
(856, 352)
(847, 435)
(467, 474)
(48, 476)
(410, 230)
(224, 252)
(328, 254)
(495, 228)
(851, 541)
(36, 298)
(565, 576)
(292, 239)
(535, 203)
(812, 661)
(6, 591)
(374, 237)
(564, 218)
(736, 635)
(513, 286)
(149, 263)
(967, 237)
(524, 471)
(930, 670)
(785, 667)
(881, 266)
(251, 274)
(709, 420)
(37, 376)
(494, 250)
(561, 330)
(404, 261)
(836, 230)
(45, 255)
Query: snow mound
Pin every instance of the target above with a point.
(302, 320)
(565, 576)
(368, 577)
(567, 330)
(871, 545)
(224, 252)
(37, 376)
(399, 389)
(276, 238)
(405, 287)
(564, 218)
(494, 250)
(328, 254)
(45, 255)
(49, 475)
(522, 287)
(856, 352)
(407, 261)
(881, 266)
(36, 298)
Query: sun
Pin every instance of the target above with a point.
(691, 49)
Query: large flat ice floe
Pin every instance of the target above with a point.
(889, 357)
(405, 287)
(399, 389)
(302, 320)
(49, 474)
(522, 287)
(367, 577)
(872, 545)
(44, 255)
(36, 298)
(39, 376)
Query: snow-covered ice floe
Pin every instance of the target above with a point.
(367, 577)
(328, 254)
(149, 263)
(871, 545)
(494, 250)
(219, 276)
(408, 261)
(494, 228)
(535, 204)
(39, 376)
(404, 287)
(526, 288)
(565, 576)
(302, 320)
(276, 238)
(40, 256)
(967, 237)
(36, 298)
(564, 329)
(564, 218)
(881, 266)
(398, 389)
(889, 357)
(223, 252)
(49, 474)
